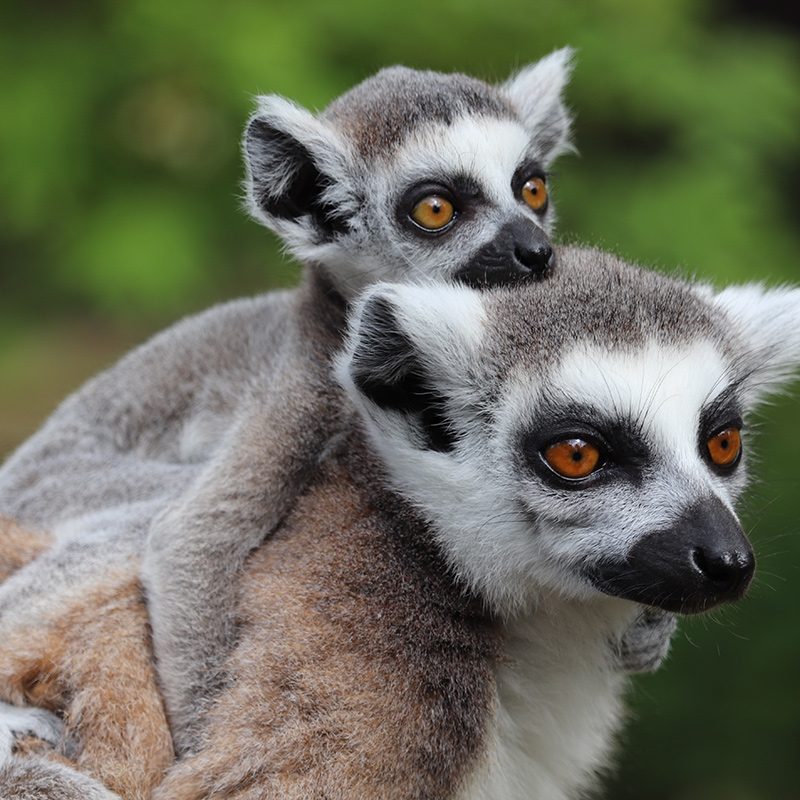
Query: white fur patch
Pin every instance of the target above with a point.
(16, 722)
(487, 149)
(558, 703)
(664, 389)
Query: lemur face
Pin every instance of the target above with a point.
(413, 176)
(583, 437)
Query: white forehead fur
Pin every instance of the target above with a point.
(664, 389)
(486, 149)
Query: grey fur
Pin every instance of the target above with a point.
(467, 520)
(645, 645)
(379, 114)
(350, 232)
(333, 185)
(34, 778)
(171, 434)
(198, 400)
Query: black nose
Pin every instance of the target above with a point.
(537, 256)
(520, 252)
(730, 571)
(703, 560)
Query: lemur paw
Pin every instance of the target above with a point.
(16, 722)
(645, 644)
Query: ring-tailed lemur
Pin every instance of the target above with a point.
(559, 455)
(409, 176)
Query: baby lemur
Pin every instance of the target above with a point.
(523, 469)
(410, 176)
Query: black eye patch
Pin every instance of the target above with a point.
(462, 191)
(524, 172)
(625, 454)
(725, 409)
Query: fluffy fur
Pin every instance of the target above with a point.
(84, 653)
(402, 662)
(335, 187)
(177, 439)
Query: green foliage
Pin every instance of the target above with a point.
(119, 185)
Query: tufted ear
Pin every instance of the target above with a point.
(297, 174)
(768, 324)
(537, 93)
(407, 354)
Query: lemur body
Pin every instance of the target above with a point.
(378, 675)
(449, 587)
(411, 176)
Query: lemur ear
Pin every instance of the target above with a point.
(407, 352)
(296, 165)
(768, 324)
(537, 93)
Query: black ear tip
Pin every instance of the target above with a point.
(379, 314)
(381, 351)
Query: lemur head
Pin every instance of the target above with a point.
(582, 436)
(412, 176)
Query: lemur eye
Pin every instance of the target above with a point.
(433, 212)
(534, 193)
(725, 447)
(573, 458)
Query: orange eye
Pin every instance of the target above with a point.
(725, 447)
(573, 458)
(433, 212)
(534, 193)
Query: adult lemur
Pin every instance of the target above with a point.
(556, 455)
(410, 176)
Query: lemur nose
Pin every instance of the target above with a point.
(729, 570)
(700, 561)
(537, 257)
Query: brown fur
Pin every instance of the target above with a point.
(18, 546)
(92, 662)
(362, 671)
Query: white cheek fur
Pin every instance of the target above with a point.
(505, 535)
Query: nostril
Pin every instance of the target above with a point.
(536, 258)
(729, 569)
(716, 567)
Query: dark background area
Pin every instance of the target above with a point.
(119, 212)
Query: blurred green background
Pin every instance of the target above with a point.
(119, 211)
